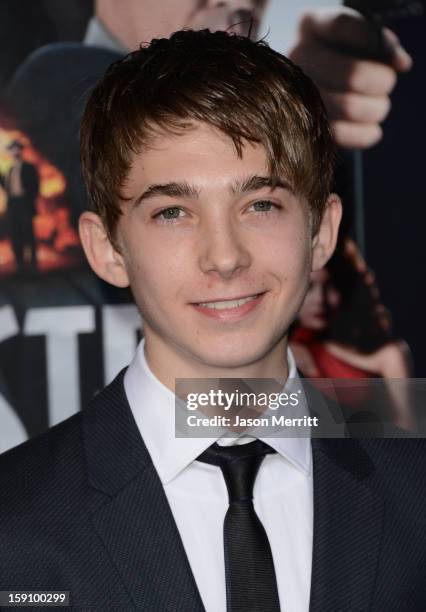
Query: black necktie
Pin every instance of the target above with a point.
(251, 585)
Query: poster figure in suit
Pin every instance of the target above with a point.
(21, 185)
(209, 176)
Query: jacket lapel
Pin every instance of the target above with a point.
(134, 520)
(348, 516)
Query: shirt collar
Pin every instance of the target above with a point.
(98, 35)
(153, 407)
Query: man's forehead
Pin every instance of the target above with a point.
(194, 156)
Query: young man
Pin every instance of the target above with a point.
(208, 160)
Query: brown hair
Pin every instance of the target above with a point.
(244, 88)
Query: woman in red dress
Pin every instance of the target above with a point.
(344, 332)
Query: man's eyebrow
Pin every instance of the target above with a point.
(172, 190)
(255, 183)
(184, 190)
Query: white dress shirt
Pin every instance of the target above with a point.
(98, 35)
(197, 494)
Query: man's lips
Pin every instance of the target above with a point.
(227, 299)
(229, 308)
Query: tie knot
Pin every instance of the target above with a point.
(239, 465)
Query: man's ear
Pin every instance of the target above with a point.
(324, 242)
(103, 257)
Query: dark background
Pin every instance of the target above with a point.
(395, 199)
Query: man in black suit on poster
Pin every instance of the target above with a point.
(208, 161)
(22, 187)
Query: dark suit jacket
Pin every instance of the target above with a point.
(82, 509)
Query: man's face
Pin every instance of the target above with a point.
(321, 302)
(218, 261)
(16, 153)
(135, 21)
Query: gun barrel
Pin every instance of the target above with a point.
(386, 9)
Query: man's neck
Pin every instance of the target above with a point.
(168, 364)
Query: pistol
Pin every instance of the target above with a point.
(377, 12)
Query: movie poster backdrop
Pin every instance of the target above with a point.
(64, 333)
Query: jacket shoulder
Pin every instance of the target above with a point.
(398, 458)
(51, 468)
(59, 66)
(46, 465)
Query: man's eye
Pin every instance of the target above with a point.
(169, 214)
(264, 206)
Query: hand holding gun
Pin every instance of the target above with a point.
(355, 62)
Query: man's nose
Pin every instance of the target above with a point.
(223, 250)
